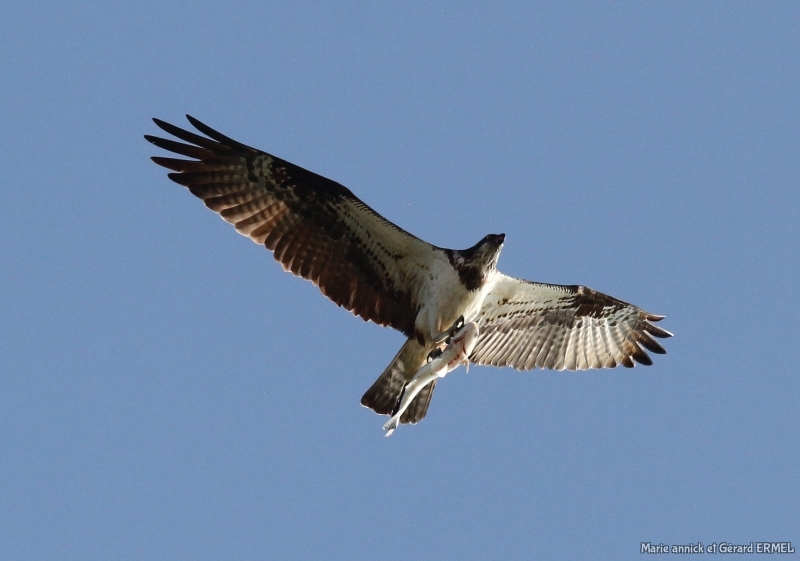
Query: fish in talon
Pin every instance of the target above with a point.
(455, 354)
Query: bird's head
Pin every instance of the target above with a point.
(484, 254)
(476, 263)
(489, 250)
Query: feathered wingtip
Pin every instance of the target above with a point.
(644, 338)
(200, 147)
(654, 330)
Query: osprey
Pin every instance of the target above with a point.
(319, 230)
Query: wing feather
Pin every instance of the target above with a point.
(609, 345)
(570, 357)
(316, 228)
(594, 349)
(542, 348)
(529, 325)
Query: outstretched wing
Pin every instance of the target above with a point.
(315, 227)
(529, 325)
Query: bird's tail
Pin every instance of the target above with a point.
(384, 395)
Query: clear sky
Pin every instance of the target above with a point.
(167, 392)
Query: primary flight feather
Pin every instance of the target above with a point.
(318, 230)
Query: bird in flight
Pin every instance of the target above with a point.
(319, 230)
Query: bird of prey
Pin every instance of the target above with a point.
(319, 230)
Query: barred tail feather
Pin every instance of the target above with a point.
(385, 393)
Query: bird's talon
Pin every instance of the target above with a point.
(435, 353)
(454, 329)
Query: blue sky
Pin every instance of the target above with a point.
(167, 392)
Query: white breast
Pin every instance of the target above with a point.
(444, 298)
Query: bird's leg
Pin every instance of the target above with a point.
(435, 353)
(447, 334)
(457, 325)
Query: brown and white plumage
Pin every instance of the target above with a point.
(315, 227)
(318, 230)
(529, 325)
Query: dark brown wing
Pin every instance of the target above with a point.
(315, 227)
(529, 325)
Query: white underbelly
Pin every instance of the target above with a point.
(443, 303)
